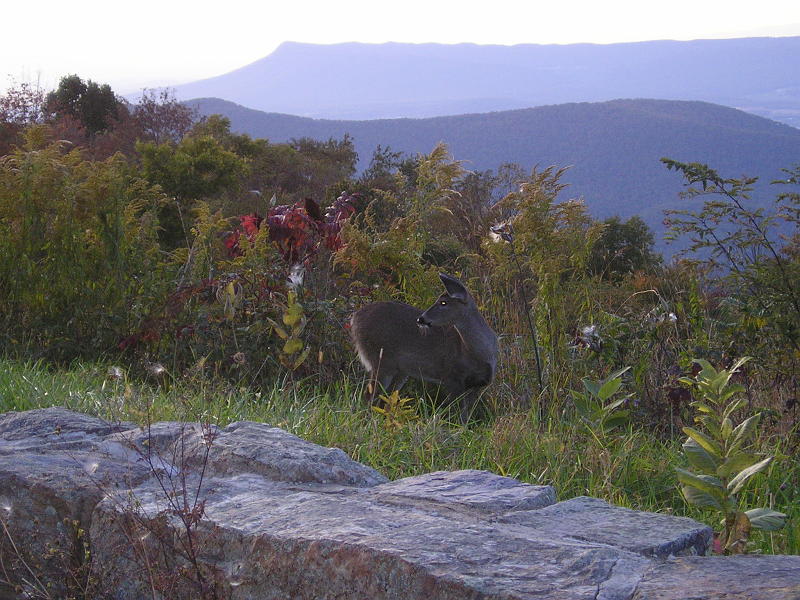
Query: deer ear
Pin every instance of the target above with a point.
(454, 287)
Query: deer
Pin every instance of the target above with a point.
(449, 344)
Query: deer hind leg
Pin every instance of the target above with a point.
(467, 404)
(465, 397)
(383, 382)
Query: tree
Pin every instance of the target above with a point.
(21, 105)
(622, 248)
(323, 164)
(196, 168)
(162, 118)
(744, 243)
(93, 105)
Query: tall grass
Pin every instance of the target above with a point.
(632, 468)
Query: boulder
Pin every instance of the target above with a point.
(180, 510)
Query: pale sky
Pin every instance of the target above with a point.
(150, 43)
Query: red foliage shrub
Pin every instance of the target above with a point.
(298, 230)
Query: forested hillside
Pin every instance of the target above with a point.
(613, 148)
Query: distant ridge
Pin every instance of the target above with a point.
(614, 146)
(366, 81)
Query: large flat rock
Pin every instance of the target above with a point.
(267, 539)
(250, 511)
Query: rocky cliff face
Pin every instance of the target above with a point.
(180, 510)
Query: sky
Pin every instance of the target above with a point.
(149, 43)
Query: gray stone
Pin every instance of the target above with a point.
(48, 491)
(250, 511)
(247, 447)
(54, 427)
(268, 539)
(469, 488)
(744, 577)
(593, 520)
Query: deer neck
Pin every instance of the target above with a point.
(475, 336)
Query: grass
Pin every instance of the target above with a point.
(632, 468)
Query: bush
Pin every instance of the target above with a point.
(81, 260)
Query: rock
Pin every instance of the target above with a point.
(51, 478)
(55, 428)
(744, 577)
(593, 520)
(267, 539)
(250, 511)
(471, 489)
(247, 447)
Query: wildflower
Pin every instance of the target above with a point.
(501, 232)
(155, 369)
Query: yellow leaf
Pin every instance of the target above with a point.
(278, 329)
(292, 345)
(302, 358)
(293, 315)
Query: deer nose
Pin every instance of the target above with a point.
(423, 321)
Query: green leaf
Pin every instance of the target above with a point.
(710, 423)
(726, 429)
(705, 483)
(592, 386)
(743, 432)
(700, 498)
(706, 442)
(703, 407)
(699, 458)
(739, 363)
(735, 463)
(302, 358)
(615, 420)
(737, 482)
(609, 388)
(705, 367)
(582, 404)
(733, 407)
(293, 315)
(615, 404)
(618, 373)
(730, 391)
(766, 519)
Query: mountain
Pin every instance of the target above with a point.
(614, 147)
(368, 81)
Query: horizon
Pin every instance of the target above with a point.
(165, 45)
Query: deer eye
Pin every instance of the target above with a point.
(443, 302)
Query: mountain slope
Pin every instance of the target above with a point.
(614, 147)
(365, 81)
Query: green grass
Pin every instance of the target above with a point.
(633, 468)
